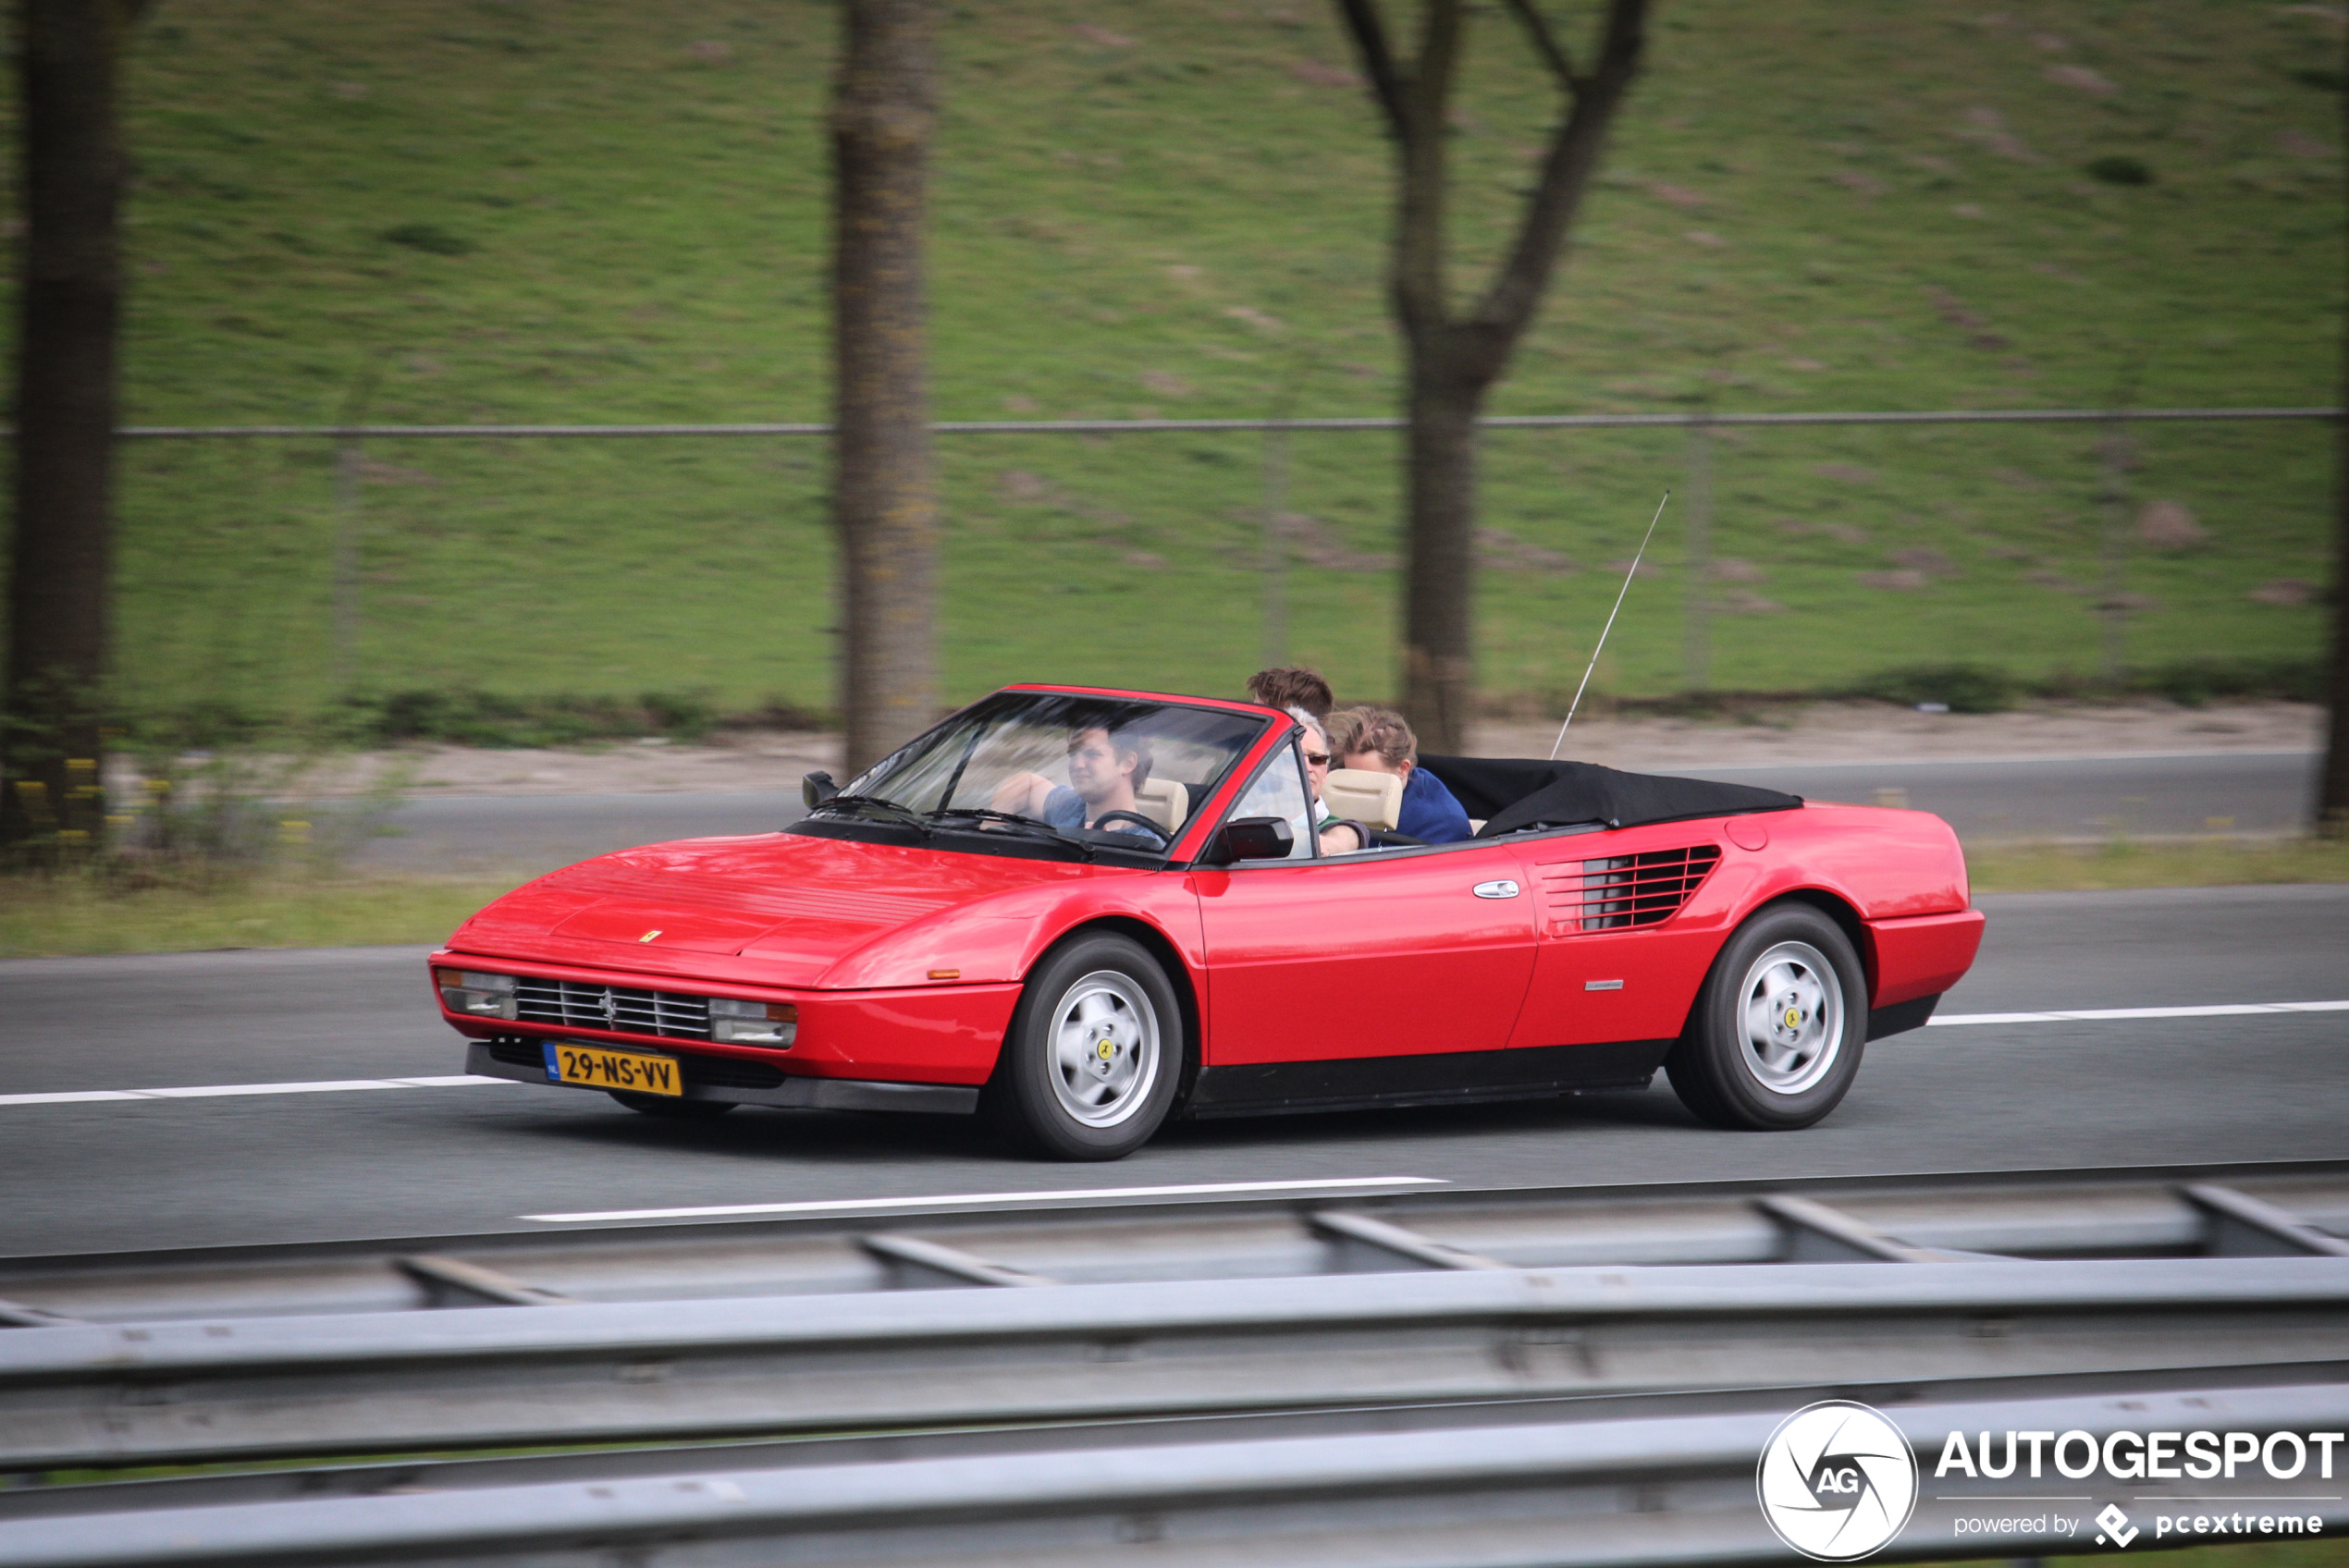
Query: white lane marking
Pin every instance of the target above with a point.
(2099, 1016)
(835, 1206)
(216, 1090)
(465, 1080)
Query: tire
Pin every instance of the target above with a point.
(669, 1109)
(1774, 1038)
(1091, 1061)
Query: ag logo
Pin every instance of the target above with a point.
(1836, 1481)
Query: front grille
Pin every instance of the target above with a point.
(623, 1008)
(1623, 890)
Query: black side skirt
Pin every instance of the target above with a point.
(1448, 1078)
(1901, 1017)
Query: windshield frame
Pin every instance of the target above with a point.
(963, 826)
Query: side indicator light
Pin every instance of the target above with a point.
(946, 974)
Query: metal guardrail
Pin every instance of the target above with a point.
(2302, 1208)
(1566, 1377)
(201, 1390)
(1673, 1490)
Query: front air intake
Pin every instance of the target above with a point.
(1622, 892)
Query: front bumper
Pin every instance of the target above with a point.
(504, 1058)
(940, 1034)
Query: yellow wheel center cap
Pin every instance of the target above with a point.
(1106, 1049)
(1794, 1018)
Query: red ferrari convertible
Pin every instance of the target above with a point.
(1083, 911)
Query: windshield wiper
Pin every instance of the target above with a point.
(889, 811)
(1028, 825)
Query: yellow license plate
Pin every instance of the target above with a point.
(634, 1071)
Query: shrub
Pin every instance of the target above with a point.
(1966, 688)
(2193, 682)
(429, 238)
(470, 718)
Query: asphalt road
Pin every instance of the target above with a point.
(123, 1174)
(1994, 798)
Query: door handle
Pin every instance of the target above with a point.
(1503, 889)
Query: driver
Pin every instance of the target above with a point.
(1104, 769)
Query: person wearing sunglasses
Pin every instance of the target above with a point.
(1338, 835)
(1304, 695)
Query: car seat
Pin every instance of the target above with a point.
(1164, 802)
(1360, 794)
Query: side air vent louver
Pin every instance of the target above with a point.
(1622, 890)
(620, 1007)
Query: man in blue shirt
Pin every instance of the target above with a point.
(1103, 772)
(1379, 741)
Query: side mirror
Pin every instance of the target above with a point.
(1252, 837)
(817, 787)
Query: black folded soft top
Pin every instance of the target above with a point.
(1512, 794)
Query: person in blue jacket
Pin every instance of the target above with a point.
(1379, 741)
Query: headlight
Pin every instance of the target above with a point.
(481, 995)
(740, 1022)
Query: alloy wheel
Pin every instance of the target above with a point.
(1105, 1048)
(1791, 1017)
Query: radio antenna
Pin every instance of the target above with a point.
(1611, 624)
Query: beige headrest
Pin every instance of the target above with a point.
(1164, 802)
(1363, 795)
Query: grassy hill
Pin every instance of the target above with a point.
(514, 209)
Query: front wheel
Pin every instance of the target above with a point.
(1774, 1038)
(1089, 1065)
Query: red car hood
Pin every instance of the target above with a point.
(783, 907)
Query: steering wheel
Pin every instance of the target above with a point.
(1166, 839)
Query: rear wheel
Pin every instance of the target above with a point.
(1774, 1038)
(671, 1106)
(1089, 1065)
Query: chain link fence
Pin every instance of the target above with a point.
(281, 565)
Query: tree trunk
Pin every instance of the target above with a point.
(1454, 357)
(1439, 650)
(52, 750)
(884, 494)
(2333, 794)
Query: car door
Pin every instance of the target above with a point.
(1613, 959)
(1314, 959)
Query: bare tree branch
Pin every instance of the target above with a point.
(1430, 89)
(1546, 44)
(1452, 361)
(1508, 303)
(1378, 62)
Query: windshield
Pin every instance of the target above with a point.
(1083, 766)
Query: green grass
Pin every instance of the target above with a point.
(518, 211)
(2040, 868)
(70, 916)
(2248, 1554)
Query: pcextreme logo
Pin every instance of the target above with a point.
(1837, 1480)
